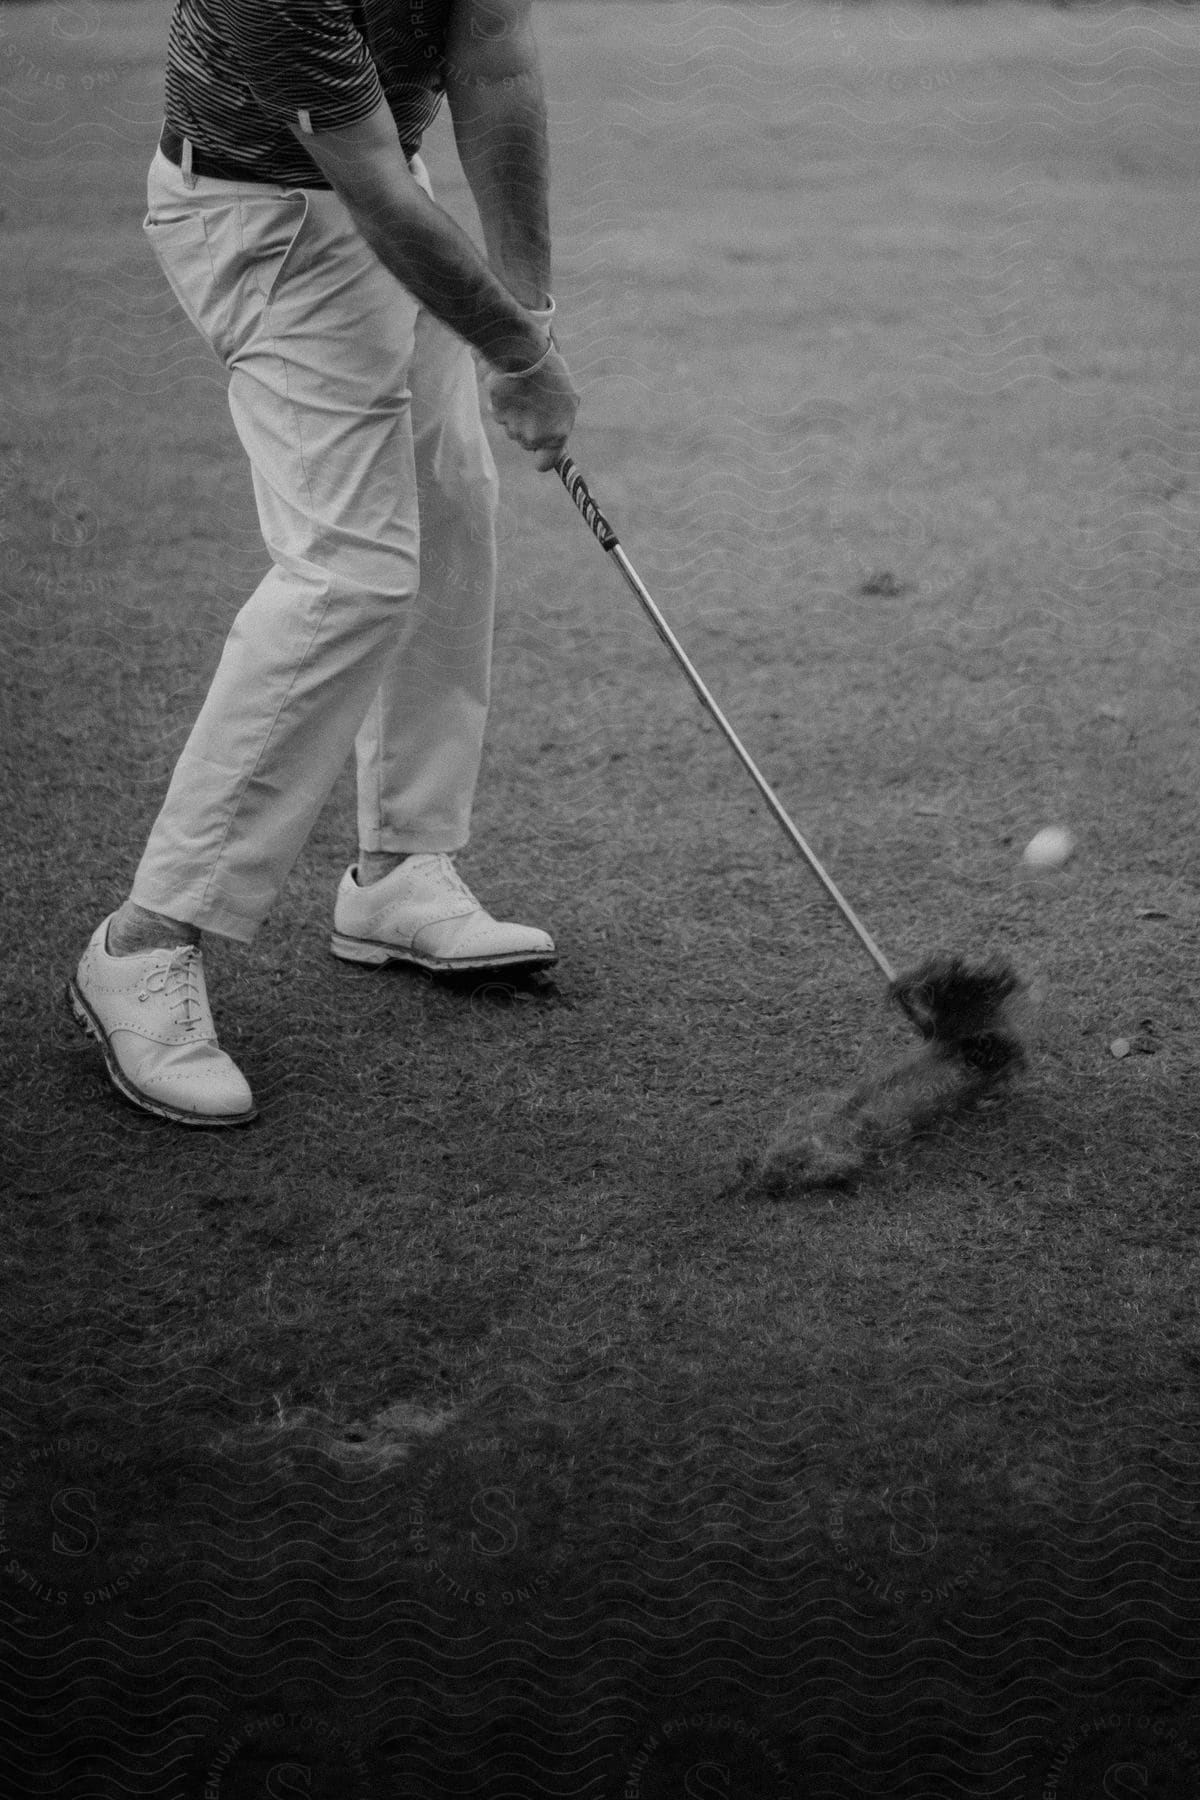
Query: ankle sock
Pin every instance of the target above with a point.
(401, 856)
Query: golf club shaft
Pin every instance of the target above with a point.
(604, 534)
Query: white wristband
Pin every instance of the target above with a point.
(517, 374)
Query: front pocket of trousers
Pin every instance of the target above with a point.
(226, 262)
(181, 247)
(251, 244)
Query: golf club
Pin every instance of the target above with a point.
(958, 1009)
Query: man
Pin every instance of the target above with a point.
(291, 212)
(294, 218)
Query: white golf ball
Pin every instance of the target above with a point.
(1050, 849)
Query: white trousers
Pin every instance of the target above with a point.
(376, 494)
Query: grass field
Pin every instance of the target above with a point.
(461, 1428)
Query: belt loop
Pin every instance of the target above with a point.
(185, 163)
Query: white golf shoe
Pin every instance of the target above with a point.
(424, 913)
(151, 1017)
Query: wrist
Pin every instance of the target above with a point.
(519, 356)
(547, 350)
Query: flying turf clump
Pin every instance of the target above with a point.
(971, 1043)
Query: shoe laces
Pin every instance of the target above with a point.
(452, 882)
(179, 980)
(440, 877)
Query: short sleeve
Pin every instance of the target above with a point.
(305, 61)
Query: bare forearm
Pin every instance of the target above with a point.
(437, 262)
(421, 245)
(500, 131)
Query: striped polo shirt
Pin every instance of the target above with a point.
(239, 72)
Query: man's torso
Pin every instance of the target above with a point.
(241, 72)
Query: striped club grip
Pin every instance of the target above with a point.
(577, 487)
